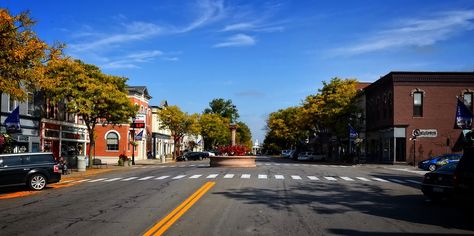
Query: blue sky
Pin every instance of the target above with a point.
(264, 55)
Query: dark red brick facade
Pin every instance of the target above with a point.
(391, 119)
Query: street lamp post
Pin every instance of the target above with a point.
(133, 140)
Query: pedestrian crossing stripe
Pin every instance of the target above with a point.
(179, 177)
(279, 177)
(130, 178)
(248, 176)
(145, 178)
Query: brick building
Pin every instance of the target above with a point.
(401, 102)
(113, 140)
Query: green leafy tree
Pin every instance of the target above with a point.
(224, 108)
(180, 124)
(22, 56)
(284, 129)
(96, 97)
(244, 135)
(214, 130)
(331, 108)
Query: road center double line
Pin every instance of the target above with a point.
(165, 223)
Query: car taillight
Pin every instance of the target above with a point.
(56, 169)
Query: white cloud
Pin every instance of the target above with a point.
(415, 32)
(239, 26)
(237, 40)
(130, 61)
(208, 11)
(133, 31)
(255, 27)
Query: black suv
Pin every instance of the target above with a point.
(464, 176)
(33, 169)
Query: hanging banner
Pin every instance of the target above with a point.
(463, 116)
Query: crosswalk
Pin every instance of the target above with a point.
(258, 177)
(258, 164)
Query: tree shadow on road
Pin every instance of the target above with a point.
(370, 199)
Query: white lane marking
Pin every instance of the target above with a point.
(228, 176)
(173, 166)
(192, 165)
(277, 164)
(97, 180)
(195, 176)
(145, 178)
(279, 177)
(245, 176)
(364, 179)
(130, 178)
(67, 181)
(330, 178)
(398, 181)
(295, 177)
(179, 177)
(267, 164)
(262, 176)
(203, 165)
(380, 180)
(114, 179)
(313, 178)
(413, 181)
(163, 177)
(346, 178)
(82, 180)
(212, 176)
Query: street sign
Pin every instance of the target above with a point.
(425, 133)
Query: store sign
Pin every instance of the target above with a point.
(425, 133)
(138, 125)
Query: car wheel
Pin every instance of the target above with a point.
(432, 167)
(37, 182)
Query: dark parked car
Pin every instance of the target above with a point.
(193, 156)
(35, 170)
(438, 161)
(439, 184)
(464, 176)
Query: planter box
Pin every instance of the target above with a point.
(232, 161)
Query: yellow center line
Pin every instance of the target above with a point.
(165, 223)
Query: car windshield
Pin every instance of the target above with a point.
(451, 167)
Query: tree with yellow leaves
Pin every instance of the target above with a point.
(22, 56)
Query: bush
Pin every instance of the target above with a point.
(237, 150)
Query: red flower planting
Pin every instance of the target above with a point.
(238, 150)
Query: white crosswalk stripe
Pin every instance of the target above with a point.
(145, 178)
(67, 181)
(413, 181)
(97, 180)
(195, 176)
(313, 178)
(279, 177)
(179, 177)
(162, 177)
(330, 178)
(245, 176)
(398, 181)
(82, 180)
(364, 179)
(267, 164)
(130, 178)
(203, 165)
(380, 180)
(192, 165)
(346, 178)
(295, 177)
(212, 176)
(113, 179)
(262, 176)
(228, 176)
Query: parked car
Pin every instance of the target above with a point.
(36, 170)
(210, 154)
(439, 184)
(438, 161)
(193, 156)
(285, 153)
(311, 156)
(464, 177)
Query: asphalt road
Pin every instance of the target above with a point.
(279, 197)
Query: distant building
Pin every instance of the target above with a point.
(162, 142)
(401, 102)
(256, 148)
